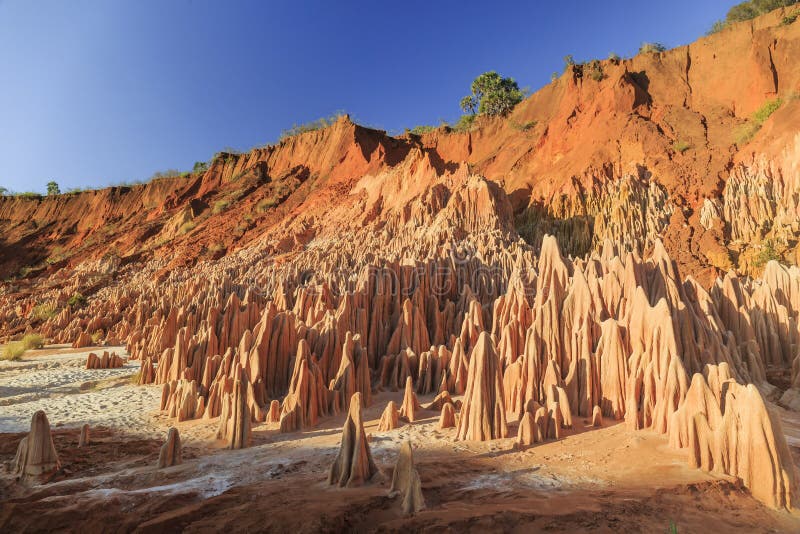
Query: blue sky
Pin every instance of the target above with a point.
(98, 92)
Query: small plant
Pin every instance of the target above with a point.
(32, 341)
(717, 27)
(216, 247)
(681, 146)
(169, 173)
(464, 124)
(97, 337)
(29, 195)
(76, 301)
(423, 129)
(15, 349)
(652, 48)
(596, 70)
(523, 126)
(187, 227)
(747, 131)
(614, 57)
(764, 112)
(789, 19)
(554, 77)
(44, 311)
(312, 126)
(568, 61)
(220, 206)
(4, 192)
(766, 254)
(265, 205)
(200, 167)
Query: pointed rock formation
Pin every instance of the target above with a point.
(597, 416)
(389, 418)
(354, 465)
(406, 482)
(410, 405)
(234, 422)
(36, 453)
(527, 433)
(483, 414)
(171, 451)
(447, 419)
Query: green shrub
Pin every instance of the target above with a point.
(568, 61)
(523, 126)
(554, 77)
(652, 48)
(423, 129)
(265, 205)
(311, 126)
(200, 167)
(753, 8)
(744, 133)
(32, 341)
(44, 311)
(97, 337)
(464, 124)
(53, 189)
(187, 227)
(681, 146)
(220, 206)
(614, 57)
(769, 107)
(766, 254)
(492, 95)
(29, 195)
(718, 26)
(13, 351)
(4, 192)
(169, 173)
(785, 21)
(596, 70)
(76, 301)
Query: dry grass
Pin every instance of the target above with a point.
(14, 350)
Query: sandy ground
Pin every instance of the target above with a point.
(604, 479)
(55, 380)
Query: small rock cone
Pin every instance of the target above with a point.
(406, 482)
(274, 413)
(36, 454)
(171, 451)
(526, 435)
(597, 416)
(354, 464)
(448, 417)
(389, 418)
(410, 404)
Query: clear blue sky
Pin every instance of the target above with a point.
(97, 92)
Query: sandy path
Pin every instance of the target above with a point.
(55, 380)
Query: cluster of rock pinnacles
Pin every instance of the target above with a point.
(612, 337)
(541, 338)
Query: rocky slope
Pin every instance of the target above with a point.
(284, 281)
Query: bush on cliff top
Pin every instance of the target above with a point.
(748, 10)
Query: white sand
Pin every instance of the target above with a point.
(55, 380)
